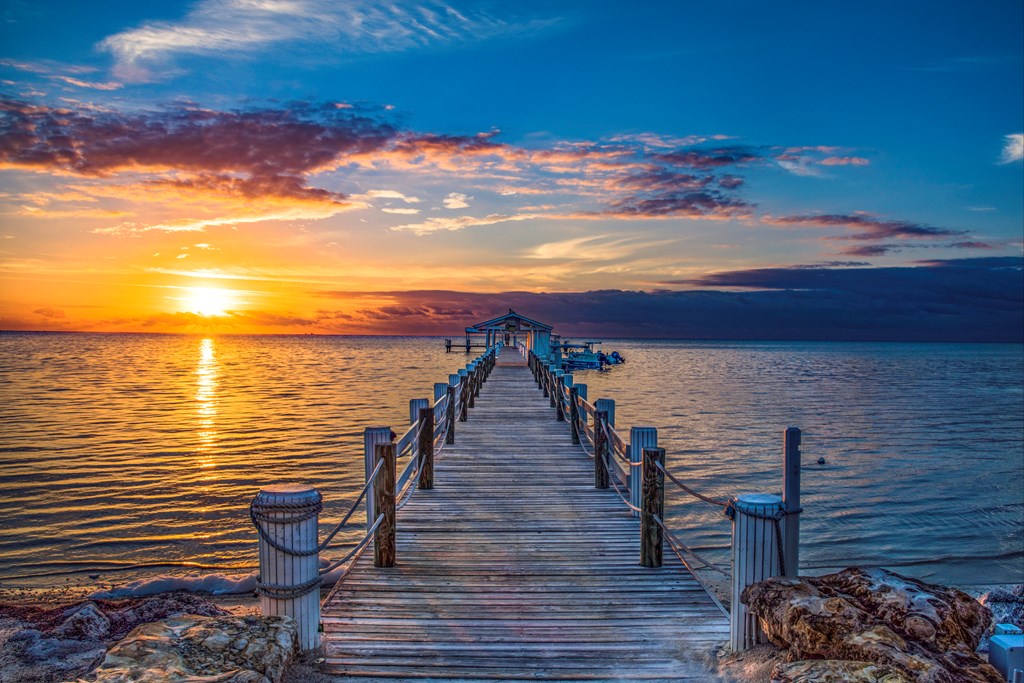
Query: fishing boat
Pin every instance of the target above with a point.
(587, 355)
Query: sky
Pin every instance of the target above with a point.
(737, 169)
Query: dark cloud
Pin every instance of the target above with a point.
(867, 227)
(953, 300)
(882, 249)
(704, 204)
(709, 157)
(274, 148)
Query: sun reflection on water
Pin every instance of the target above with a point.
(206, 399)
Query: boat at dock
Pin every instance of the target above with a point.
(587, 355)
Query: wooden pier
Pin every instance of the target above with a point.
(515, 567)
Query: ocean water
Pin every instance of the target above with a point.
(131, 457)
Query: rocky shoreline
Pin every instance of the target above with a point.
(856, 625)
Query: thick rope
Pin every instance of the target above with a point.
(358, 547)
(351, 510)
(279, 592)
(672, 538)
(258, 513)
(687, 489)
(775, 519)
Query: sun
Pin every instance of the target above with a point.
(208, 300)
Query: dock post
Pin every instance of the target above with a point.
(415, 405)
(581, 391)
(287, 519)
(574, 415)
(426, 448)
(560, 395)
(791, 500)
(384, 503)
(440, 389)
(608, 406)
(545, 370)
(653, 505)
(371, 437)
(755, 557)
(639, 439)
(453, 382)
(552, 383)
(464, 395)
(600, 447)
(471, 377)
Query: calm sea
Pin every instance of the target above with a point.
(128, 457)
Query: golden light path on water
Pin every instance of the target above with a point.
(131, 456)
(206, 409)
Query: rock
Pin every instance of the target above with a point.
(207, 647)
(29, 656)
(837, 671)
(1006, 605)
(924, 632)
(125, 615)
(85, 622)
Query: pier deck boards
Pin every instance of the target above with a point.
(514, 567)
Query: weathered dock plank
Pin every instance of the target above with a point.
(514, 567)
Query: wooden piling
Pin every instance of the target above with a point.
(415, 405)
(600, 449)
(384, 504)
(639, 439)
(652, 505)
(453, 383)
(371, 437)
(791, 500)
(464, 395)
(426, 448)
(574, 415)
(288, 515)
(755, 557)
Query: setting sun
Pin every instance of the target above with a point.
(208, 300)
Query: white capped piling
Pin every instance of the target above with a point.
(287, 517)
(371, 437)
(756, 545)
(463, 409)
(415, 405)
(791, 500)
(450, 413)
(639, 439)
(608, 406)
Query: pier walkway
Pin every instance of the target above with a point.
(515, 567)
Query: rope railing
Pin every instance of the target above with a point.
(687, 489)
(679, 547)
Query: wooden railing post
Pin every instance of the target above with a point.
(600, 448)
(608, 406)
(559, 395)
(574, 414)
(581, 391)
(384, 504)
(639, 439)
(791, 500)
(288, 514)
(415, 405)
(453, 383)
(755, 557)
(371, 437)
(426, 448)
(472, 377)
(440, 389)
(653, 505)
(464, 395)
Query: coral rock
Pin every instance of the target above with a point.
(207, 647)
(837, 671)
(85, 622)
(925, 632)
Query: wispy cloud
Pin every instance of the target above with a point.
(1013, 148)
(432, 225)
(456, 200)
(218, 27)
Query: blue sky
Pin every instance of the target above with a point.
(553, 147)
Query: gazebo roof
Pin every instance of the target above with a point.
(501, 322)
